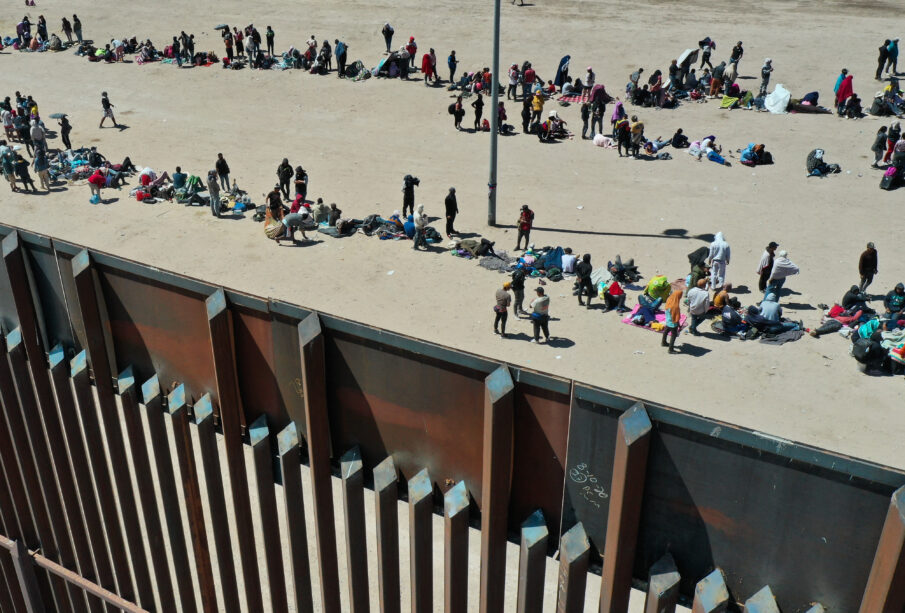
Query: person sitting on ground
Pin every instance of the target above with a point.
(771, 312)
(179, 178)
(855, 300)
(679, 140)
(568, 261)
(894, 306)
(818, 167)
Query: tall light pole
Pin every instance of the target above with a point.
(494, 115)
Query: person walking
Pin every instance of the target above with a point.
(867, 266)
(879, 146)
(285, 173)
(518, 288)
(108, 110)
(698, 301)
(673, 317)
(222, 171)
(583, 271)
(765, 267)
(783, 268)
(525, 223)
(452, 209)
(540, 315)
(501, 308)
(388, 32)
(718, 258)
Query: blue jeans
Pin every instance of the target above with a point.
(774, 286)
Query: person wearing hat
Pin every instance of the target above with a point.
(501, 308)
(894, 302)
(867, 266)
(766, 265)
(452, 209)
(540, 315)
(525, 223)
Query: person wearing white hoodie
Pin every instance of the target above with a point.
(718, 258)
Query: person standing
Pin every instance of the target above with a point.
(408, 195)
(892, 59)
(867, 266)
(783, 268)
(285, 173)
(583, 271)
(42, 167)
(881, 59)
(518, 288)
(698, 301)
(540, 315)
(511, 93)
(339, 49)
(765, 267)
(585, 116)
(222, 171)
(452, 209)
(718, 258)
(270, 35)
(420, 220)
(501, 308)
(77, 28)
(108, 110)
(765, 71)
(673, 317)
(879, 146)
(452, 63)
(525, 223)
(388, 32)
(478, 106)
(736, 55)
(67, 29)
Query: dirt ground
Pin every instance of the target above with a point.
(357, 140)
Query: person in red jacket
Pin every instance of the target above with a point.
(96, 182)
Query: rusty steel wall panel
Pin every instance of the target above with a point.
(539, 454)
(158, 329)
(760, 518)
(387, 401)
(255, 361)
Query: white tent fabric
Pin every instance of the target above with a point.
(778, 100)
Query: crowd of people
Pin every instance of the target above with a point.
(664, 305)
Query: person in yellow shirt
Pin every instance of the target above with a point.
(537, 107)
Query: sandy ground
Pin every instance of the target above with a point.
(357, 140)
